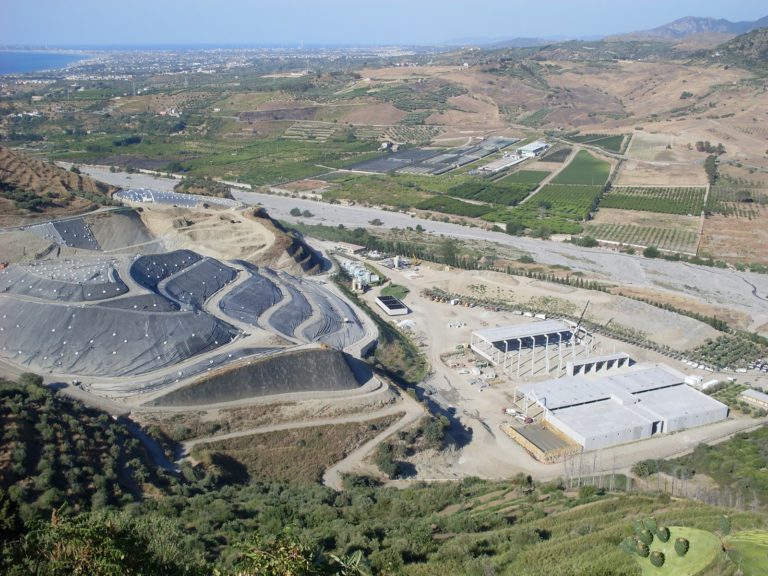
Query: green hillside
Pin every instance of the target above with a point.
(205, 520)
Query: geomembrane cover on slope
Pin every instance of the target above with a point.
(291, 314)
(76, 234)
(63, 281)
(195, 284)
(331, 327)
(248, 301)
(96, 341)
(150, 270)
(301, 371)
(141, 302)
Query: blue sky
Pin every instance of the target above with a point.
(89, 22)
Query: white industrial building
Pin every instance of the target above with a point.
(632, 405)
(502, 163)
(392, 306)
(533, 149)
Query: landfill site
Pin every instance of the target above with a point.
(117, 311)
(182, 305)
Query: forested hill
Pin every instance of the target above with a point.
(747, 51)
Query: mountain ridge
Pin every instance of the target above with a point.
(691, 25)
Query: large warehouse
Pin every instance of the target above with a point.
(634, 404)
(528, 349)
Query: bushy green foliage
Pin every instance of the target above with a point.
(663, 534)
(642, 549)
(657, 558)
(104, 544)
(725, 525)
(63, 453)
(646, 536)
(732, 350)
(681, 546)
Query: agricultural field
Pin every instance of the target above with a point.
(525, 177)
(555, 209)
(737, 197)
(651, 147)
(738, 239)
(397, 190)
(681, 241)
(503, 192)
(556, 155)
(676, 200)
(668, 232)
(575, 202)
(370, 132)
(412, 132)
(310, 131)
(584, 169)
(610, 142)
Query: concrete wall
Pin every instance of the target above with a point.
(699, 418)
(595, 442)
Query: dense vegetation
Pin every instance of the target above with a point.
(555, 209)
(733, 351)
(739, 466)
(57, 452)
(504, 192)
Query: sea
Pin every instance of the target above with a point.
(27, 61)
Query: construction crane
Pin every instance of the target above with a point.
(578, 324)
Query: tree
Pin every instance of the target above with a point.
(295, 212)
(651, 252)
(449, 251)
(30, 379)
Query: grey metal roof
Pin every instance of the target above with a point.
(755, 395)
(503, 333)
(580, 389)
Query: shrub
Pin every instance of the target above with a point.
(725, 524)
(628, 545)
(663, 534)
(657, 558)
(295, 212)
(681, 546)
(651, 252)
(642, 550)
(646, 536)
(650, 525)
